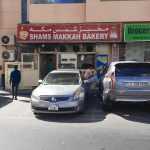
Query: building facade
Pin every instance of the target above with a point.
(80, 33)
(10, 16)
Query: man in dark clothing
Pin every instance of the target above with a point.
(15, 78)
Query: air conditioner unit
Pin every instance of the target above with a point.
(7, 39)
(8, 55)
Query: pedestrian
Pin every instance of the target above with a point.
(87, 84)
(15, 78)
(88, 74)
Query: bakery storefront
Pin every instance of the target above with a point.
(137, 41)
(53, 46)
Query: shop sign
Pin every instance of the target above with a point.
(71, 33)
(137, 32)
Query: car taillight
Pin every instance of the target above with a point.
(112, 80)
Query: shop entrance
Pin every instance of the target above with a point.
(9, 66)
(86, 60)
(47, 64)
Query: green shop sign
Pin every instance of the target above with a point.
(137, 32)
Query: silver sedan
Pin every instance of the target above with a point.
(61, 91)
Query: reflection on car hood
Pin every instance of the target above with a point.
(56, 89)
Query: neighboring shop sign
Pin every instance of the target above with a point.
(137, 32)
(71, 33)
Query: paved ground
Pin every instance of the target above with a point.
(126, 128)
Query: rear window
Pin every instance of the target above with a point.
(133, 69)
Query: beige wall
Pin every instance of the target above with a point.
(92, 11)
(10, 13)
(117, 11)
(56, 13)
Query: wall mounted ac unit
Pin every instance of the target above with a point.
(8, 55)
(7, 39)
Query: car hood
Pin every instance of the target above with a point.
(55, 89)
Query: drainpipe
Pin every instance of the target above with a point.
(24, 9)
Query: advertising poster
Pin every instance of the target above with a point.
(101, 60)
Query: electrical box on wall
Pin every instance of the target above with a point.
(68, 61)
(7, 39)
(8, 55)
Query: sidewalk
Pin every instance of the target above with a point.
(20, 91)
(23, 95)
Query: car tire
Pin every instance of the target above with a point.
(82, 109)
(81, 112)
(107, 105)
(36, 114)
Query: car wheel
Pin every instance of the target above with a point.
(106, 104)
(82, 109)
(36, 114)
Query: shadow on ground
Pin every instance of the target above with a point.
(4, 100)
(93, 113)
(137, 112)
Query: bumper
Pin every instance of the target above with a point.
(63, 107)
(69, 110)
(126, 99)
(112, 96)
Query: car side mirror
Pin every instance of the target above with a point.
(40, 81)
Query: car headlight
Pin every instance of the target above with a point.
(76, 95)
(35, 98)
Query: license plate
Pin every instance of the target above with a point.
(53, 107)
(136, 84)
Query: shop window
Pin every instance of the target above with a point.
(90, 48)
(86, 61)
(63, 48)
(76, 48)
(122, 48)
(49, 47)
(28, 57)
(30, 60)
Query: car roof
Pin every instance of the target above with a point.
(124, 62)
(65, 71)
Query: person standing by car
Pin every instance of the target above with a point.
(15, 78)
(88, 74)
(87, 83)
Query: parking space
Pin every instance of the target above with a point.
(93, 112)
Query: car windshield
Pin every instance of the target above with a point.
(131, 69)
(62, 79)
